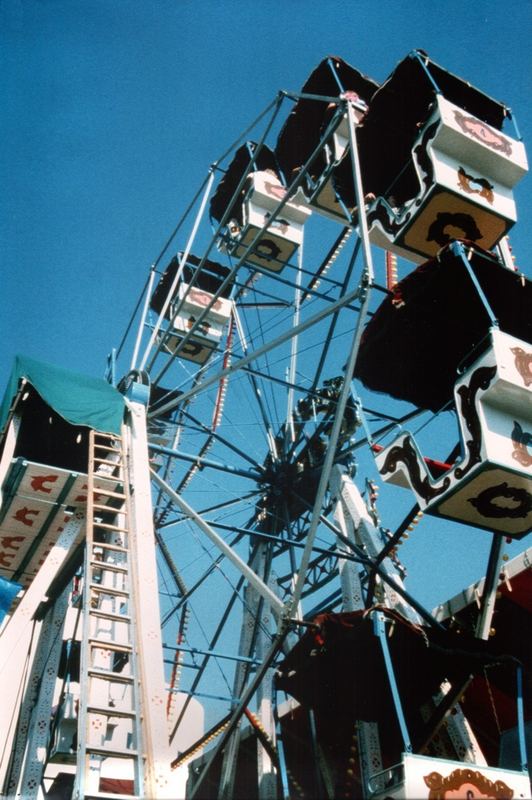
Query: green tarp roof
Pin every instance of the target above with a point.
(77, 398)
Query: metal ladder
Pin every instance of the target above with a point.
(109, 725)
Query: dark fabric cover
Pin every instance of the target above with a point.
(77, 398)
(305, 125)
(57, 409)
(209, 279)
(338, 670)
(221, 199)
(511, 633)
(396, 113)
(412, 352)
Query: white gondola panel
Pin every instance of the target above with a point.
(193, 295)
(466, 171)
(279, 241)
(490, 486)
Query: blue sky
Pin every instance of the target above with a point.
(112, 111)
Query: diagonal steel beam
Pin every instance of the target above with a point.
(265, 348)
(221, 544)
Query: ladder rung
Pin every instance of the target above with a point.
(108, 711)
(103, 644)
(97, 587)
(108, 752)
(118, 496)
(116, 548)
(100, 476)
(109, 566)
(95, 612)
(106, 508)
(107, 461)
(107, 675)
(109, 527)
(106, 447)
(109, 473)
(114, 437)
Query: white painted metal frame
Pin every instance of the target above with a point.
(160, 781)
(40, 700)
(16, 638)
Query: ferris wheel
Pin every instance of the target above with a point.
(289, 366)
(261, 435)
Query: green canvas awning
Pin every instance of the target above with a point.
(79, 399)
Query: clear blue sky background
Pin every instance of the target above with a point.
(112, 111)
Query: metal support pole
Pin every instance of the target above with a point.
(521, 720)
(489, 595)
(201, 461)
(249, 633)
(370, 755)
(160, 781)
(171, 291)
(364, 290)
(283, 773)
(289, 427)
(143, 319)
(239, 710)
(380, 631)
(458, 249)
(359, 193)
(319, 790)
